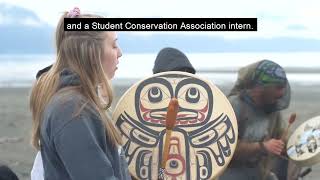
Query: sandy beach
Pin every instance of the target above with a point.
(15, 123)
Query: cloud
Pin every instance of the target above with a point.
(15, 15)
(274, 16)
(296, 27)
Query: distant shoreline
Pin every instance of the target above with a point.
(127, 82)
(235, 70)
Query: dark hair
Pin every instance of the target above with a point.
(44, 70)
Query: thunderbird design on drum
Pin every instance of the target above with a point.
(201, 141)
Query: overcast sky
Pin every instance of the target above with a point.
(276, 18)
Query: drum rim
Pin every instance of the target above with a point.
(212, 86)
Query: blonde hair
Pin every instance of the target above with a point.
(81, 52)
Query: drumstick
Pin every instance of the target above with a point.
(170, 122)
(291, 120)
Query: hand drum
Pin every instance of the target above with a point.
(203, 139)
(303, 146)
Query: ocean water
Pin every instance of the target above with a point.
(302, 68)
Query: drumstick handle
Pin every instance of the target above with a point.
(165, 153)
(285, 132)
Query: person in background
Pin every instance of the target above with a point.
(260, 93)
(171, 59)
(7, 174)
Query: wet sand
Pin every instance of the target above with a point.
(15, 123)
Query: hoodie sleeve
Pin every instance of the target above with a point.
(79, 148)
(247, 149)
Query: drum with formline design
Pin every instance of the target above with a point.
(303, 146)
(203, 140)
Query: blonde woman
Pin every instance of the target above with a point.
(76, 138)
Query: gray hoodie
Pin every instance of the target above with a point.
(75, 146)
(171, 59)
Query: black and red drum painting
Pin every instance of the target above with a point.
(204, 137)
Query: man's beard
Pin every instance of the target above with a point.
(269, 108)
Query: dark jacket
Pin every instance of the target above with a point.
(74, 145)
(7, 174)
